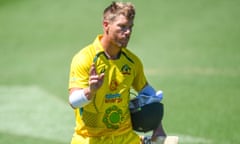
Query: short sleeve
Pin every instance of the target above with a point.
(79, 70)
(140, 79)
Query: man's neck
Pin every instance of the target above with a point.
(112, 51)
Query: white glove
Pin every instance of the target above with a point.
(142, 100)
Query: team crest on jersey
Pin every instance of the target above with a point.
(126, 70)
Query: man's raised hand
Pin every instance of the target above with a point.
(95, 80)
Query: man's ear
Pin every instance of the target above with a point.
(105, 23)
(106, 26)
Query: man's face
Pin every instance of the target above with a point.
(119, 31)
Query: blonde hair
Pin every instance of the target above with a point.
(119, 8)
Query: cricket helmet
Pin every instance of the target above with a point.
(147, 117)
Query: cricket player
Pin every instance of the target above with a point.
(101, 76)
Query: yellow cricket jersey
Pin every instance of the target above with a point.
(108, 112)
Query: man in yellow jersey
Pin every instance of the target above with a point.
(101, 77)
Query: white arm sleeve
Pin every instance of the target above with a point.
(78, 99)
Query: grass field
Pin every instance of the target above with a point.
(190, 50)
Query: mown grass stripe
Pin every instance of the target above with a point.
(31, 111)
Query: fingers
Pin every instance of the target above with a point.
(101, 76)
(93, 73)
(93, 70)
(95, 80)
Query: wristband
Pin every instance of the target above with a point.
(78, 99)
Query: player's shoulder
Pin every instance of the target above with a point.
(88, 52)
(131, 55)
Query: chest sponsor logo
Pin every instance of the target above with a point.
(113, 98)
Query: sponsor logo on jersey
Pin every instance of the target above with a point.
(113, 85)
(113, 98)
(113, 117)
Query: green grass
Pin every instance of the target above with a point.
(30, 111)
(190, 50)
(12, 139)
